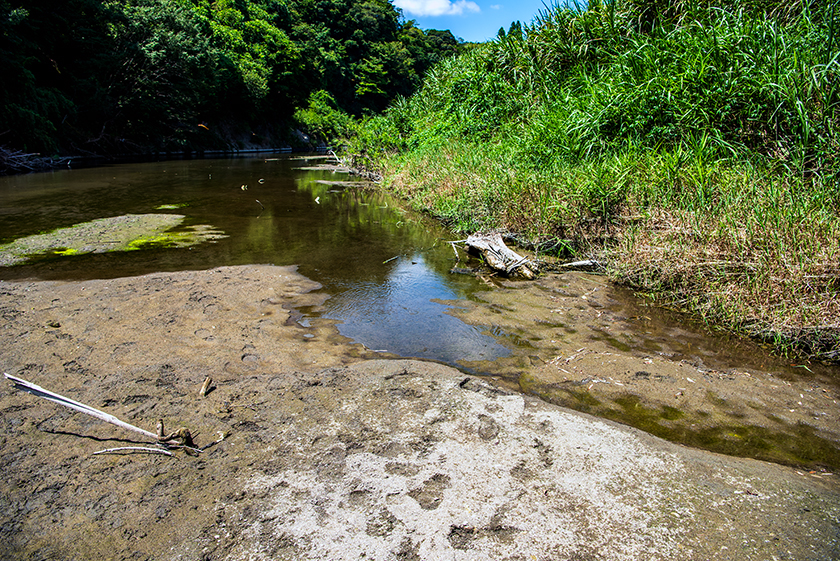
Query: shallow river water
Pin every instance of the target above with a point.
(382, 266)
(593, 347)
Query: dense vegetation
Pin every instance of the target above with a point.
(693, 146)
(105, 76)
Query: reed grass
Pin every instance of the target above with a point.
(693, 145)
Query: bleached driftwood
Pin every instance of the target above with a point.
(585, 265)
(205, 388)
(181, 438)
(500, 257)
(141, 449)
(35, 389)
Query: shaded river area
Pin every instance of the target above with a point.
(381, 265)
(572, 339)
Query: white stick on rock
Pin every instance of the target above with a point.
(35, 389)
(142, 449)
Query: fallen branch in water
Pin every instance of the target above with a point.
(337, 159)
(455, 249)
(499, 256)
(15, 161)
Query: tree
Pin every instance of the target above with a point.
(133, 75)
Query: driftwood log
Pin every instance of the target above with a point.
(500, 257)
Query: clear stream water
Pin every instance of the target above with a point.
(383, 267)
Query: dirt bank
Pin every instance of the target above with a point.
(331, 455)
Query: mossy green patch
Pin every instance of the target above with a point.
(714, 399)
(129, 232)
(168, 239)
(602, 335)
(565, 395)
(65, 251)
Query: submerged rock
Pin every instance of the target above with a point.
(117, 233)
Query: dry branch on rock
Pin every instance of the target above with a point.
(132, 449)
(181, 438)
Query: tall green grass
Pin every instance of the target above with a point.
(693, 145)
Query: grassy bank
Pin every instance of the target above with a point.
(691, 146)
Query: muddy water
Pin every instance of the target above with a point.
(571, 339)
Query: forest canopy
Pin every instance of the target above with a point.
(127, 76)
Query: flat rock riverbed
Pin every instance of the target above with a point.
(334, 452)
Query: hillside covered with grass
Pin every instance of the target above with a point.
(691, 145)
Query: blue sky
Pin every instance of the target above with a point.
(471, 20)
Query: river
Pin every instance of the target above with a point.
(572, 339)
(383, 267)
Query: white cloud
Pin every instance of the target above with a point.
(495, 6)
(437, 7)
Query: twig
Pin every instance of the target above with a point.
(205, 387)
(180, 439)
(134, 449)
(334, 155)
(391, 259)
(454, 249)
(190, 450)
(585, 264)
(81, 407)
(259, 203)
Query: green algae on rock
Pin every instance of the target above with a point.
(117, 233)
(172, 206)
